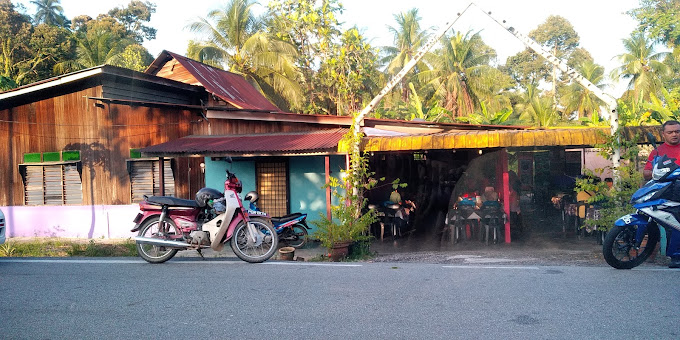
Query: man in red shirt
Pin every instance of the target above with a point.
(671, 148)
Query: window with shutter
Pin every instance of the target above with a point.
(52, 184)
(145, 179)
(272, 185)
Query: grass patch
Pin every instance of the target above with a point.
(67, 248)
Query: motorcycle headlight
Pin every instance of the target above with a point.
(657, 173)
(645, 197)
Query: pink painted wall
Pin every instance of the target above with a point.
(593, 161)
(99, 221)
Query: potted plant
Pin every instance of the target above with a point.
(350, 223)
(350, 220)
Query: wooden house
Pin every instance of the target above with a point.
(80, 150)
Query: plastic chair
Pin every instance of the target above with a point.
(466, 218)
(492, 219)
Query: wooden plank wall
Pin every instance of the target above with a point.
(102, 132)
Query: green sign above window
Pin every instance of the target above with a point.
(134, 153)
(51, 157)
(33, 157)
(70, 155)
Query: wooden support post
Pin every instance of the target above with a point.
(161, 175)
(328, 188)
(506, 192)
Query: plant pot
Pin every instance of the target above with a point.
(339, 250)
(287, 253)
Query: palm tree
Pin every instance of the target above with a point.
(578, 98)
(235, 42)
(642, 65)
(95, 48)
(49, 12)
(542, 112)
(408, 38)
(457, 72)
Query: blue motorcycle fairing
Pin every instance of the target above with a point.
(641, 221)
(648, 188)
(674, 175)
(649, 203)
(632, 219)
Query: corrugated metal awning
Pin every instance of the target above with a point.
(502, 139)
(316, 142)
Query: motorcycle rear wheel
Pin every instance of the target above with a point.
(620, 250)
(249, 252)
(156, 254)
(296, 236)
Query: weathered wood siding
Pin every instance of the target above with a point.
(103, 132)
(175, 71)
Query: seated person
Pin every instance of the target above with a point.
(490, 198)
(395, 197)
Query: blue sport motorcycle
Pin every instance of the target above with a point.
(291, 229)
(634, 236)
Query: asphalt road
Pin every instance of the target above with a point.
(226, 298)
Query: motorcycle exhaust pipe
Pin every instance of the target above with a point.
(161, 243)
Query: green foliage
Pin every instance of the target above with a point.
(527, 68)
(133, 18)
(134, 57)
(660, 19)
(54, 247)
(236, 42)
(613, 203)
(312, 27)
(486, 117)
(350, 73)
(49, 12)
(642, 65)
(350, 221)
(542, 112)
(580, 100)
(93, 249)
(456, 76)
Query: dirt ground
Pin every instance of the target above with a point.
(548, 249)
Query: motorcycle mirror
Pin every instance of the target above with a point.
(651, 139)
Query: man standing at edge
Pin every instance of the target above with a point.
(670, 148)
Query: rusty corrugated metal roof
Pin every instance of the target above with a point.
(230, 87)
(271, 143)
(500, 139)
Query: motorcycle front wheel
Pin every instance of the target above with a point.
(622, 249)
(151, 229)
(264, 246)
(296, 236)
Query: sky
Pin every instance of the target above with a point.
(601, 24)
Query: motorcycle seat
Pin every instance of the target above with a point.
(283, 219)
(172, 201)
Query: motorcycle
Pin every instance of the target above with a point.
(634, 236)
(291, 229)
(168, 224)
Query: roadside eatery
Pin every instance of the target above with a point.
(92, 143)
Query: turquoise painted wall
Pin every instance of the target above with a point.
(306, 175)
(215, 173)
(306, 181)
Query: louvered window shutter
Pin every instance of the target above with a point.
(145, 180)
(54, 184)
